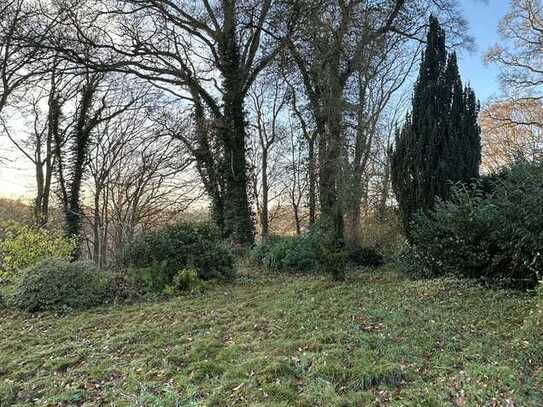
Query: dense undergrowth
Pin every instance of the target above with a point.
(490, 230)
(312, 252)
(283, 340)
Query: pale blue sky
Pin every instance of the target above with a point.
(16, 178)
(483, 18)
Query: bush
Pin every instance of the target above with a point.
(492, 232)
(125, 288)
(185, 280)
(152, 279)
(332, 260)
(364, 256)
(160, 254)
(23, 246)
(310, 252)
(383, 234)
(287, 253)
(54, 284)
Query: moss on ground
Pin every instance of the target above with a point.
(375, 339)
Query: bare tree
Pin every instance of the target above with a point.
(511, 131)
(520, 53)
(310, 136)
(112, 145)
(296, 177)
(184, 47)
(19, 65)
(154, 187)
(194, 128)
(46, 132)
(336, 39)
(99, 100)
(512, 127)
(139, 178)
(37, 147)
(384, 72)
(268, 99)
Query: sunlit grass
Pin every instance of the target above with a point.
(375, 339)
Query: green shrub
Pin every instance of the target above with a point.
(310, 252)
(185, 280)
(415, 263)
(332, 260)
(288, 253)
(160, 254)
(54, 284)
(363, 256)
(126, 288)
(23, 246)
(492, 232)
(384, 234)
(152, 278)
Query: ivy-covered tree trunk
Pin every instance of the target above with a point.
(207, 164)
(330, 159)
(238, 219)
(237, 214)
(329, 175)
(81, 139)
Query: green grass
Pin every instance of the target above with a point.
(375, 339)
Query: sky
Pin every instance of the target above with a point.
(16, 177)
(483, 18)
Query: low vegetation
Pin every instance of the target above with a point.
(490, 230)
(359, 244)
(57, 285)
(22, 246)
(279, 340)
(312, 252)
(156, 257)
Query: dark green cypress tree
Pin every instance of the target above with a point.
(439, 143)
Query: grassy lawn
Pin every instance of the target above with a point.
(376, 339)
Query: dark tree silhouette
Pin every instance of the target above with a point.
(439, 143)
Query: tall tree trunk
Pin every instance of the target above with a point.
(105, 227)
(297, 220)
(238, 219)
(97, 228)
(330, 175)
(360, 162)
(39, 217)
(206, 164)
(44, 167)
(385, 192)
(47, 183)
(84, 124)
(237, 214)
(365, 131)
(312, 198)
(355, 200)
(264, 221)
